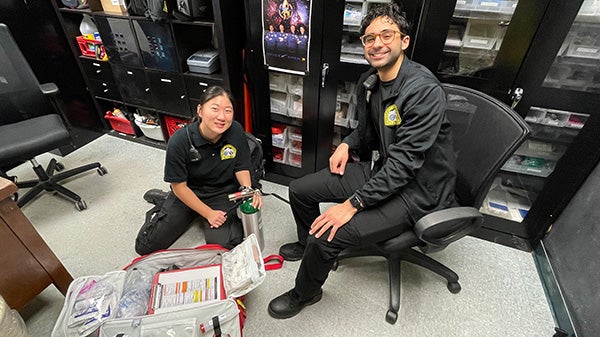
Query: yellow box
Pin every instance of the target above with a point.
(114, 6)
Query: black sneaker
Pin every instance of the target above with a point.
(289, 304)
(292, 251)
(154, 196)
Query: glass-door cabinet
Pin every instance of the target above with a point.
(558, 85)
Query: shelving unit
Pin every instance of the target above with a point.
(147, 73)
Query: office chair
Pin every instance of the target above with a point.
(30, 126)
(486, 132)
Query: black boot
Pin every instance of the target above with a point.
(289, 304)
(154, 196)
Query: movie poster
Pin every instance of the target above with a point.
(286, 35)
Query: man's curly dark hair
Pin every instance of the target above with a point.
(393, 12)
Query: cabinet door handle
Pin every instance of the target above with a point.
(98, 71)
(516, 97)
(324, 71)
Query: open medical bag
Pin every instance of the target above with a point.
(116, 304)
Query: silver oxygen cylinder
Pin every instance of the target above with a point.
(251, 221)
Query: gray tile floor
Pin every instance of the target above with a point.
(501, 291)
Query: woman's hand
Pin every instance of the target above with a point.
(216, 218)
(257, 199)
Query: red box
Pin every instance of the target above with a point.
(122, 125)
(173, 124)
(91, 48)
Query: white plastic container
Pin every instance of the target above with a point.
(151, 131)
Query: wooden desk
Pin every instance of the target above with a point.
(27, 264)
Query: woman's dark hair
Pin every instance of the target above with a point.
(393, 11)
(212, 92)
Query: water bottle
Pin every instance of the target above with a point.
(251, 221)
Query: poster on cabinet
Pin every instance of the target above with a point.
(286, 35)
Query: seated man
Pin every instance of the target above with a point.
(407, 167)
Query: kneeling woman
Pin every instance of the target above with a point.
(205, 161)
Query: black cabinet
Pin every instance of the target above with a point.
(543, 56)
(146, 73)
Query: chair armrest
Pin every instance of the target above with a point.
(49, 89)
(448, 225)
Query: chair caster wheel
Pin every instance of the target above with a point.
(391, 317)
(59, 167)
(335, 266)
(454, 287)
(102, 170)
(80, 205)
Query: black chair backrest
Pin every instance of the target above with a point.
(20, 94)
(486, 133)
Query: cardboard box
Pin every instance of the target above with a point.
(114, 6)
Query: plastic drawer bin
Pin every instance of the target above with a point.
(173, 124)
(118, 124)
(481, 34)
(151, 131)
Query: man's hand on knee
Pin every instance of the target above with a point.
(333, 218)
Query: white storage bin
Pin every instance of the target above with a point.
(295, 85)
(509, 6)
(295, 106)
(280, 155)
(589, 8)
(353, 13)
(465, 4)
(279, 135)
(481, 34)
(279, 103)
(489, 5)
(535, 115)
(294, 157)
(151, 131)
(585, 42)
(278, 81)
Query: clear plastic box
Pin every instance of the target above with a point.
(295, 106)
(295, 85)
(535, 115)
(278, 81)
(585, 42)
(465, 4)
(489, 5)
(556, 118)
(279, 135)
(481, 34)
(589, 7)
(279, 103)
(509, 6)
(353, 13)
(295, 157)
(279, 155)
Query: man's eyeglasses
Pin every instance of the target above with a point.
(386, 36)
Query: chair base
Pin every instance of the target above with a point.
(394, 271)
(49, 181)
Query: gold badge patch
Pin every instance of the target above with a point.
(228, 152)
(391, 116)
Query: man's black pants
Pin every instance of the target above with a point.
(387, 219)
